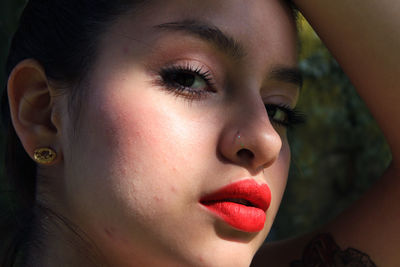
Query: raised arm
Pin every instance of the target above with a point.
(364, 37)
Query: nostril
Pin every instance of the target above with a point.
(245, 154)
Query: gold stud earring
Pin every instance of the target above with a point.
(44, 155)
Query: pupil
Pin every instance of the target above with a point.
(184, 79)
(271, 111)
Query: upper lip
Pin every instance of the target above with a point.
(242, 192)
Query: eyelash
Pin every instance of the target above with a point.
(294, 116)
(167, 80)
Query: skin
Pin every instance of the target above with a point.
(127, 174)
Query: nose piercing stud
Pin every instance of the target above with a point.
(241, 144)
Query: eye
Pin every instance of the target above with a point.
(277, 114)
(187, 81)
(283, 115)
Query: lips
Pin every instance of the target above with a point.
(242, 204)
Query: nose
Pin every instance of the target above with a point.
(250, 140)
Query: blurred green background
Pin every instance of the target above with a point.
(337, 154)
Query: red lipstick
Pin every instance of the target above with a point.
(242, 204)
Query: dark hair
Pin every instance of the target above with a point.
(62, 35)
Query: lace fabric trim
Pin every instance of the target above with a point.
(323, 251)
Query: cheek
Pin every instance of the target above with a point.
(133, 162)
(138, 145)
(144, 136)
(139, 137)
(277, 176)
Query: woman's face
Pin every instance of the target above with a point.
(173, 112)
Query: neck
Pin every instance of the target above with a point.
(55, 241)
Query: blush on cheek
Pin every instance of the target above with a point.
(124, 127)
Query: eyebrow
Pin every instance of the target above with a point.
(291, 75)
(208, 33)
(227, 44)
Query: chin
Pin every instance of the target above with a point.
(226, 256)
(226, 253)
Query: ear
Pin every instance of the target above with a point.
(32, 108)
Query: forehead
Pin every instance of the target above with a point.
(262, 27)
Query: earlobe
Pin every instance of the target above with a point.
(31, 106)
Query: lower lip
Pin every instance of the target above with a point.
(241, 217)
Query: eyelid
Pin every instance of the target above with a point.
(164, 78)
(182, 62)
(196, 71)
(192, 64)
(280, 91)
(280, 99)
